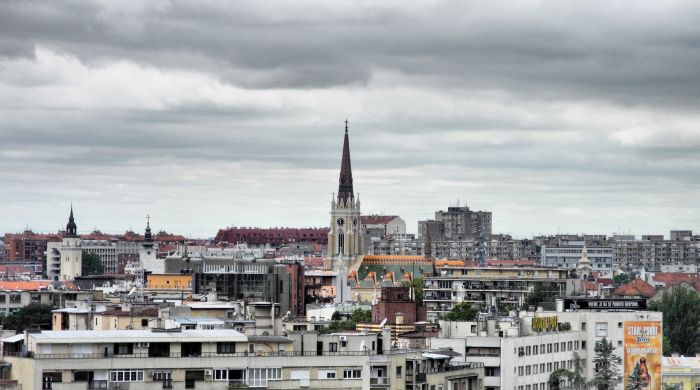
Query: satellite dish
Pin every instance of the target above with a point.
(381, 325)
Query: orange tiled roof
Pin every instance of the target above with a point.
(673, 278)
(24, 285)
(637, 287)
(377, 219)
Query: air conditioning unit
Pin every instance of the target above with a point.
(343, 338)
(142, 345)
(207, 372)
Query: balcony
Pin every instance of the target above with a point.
(94, 385)
(379, 382)
(419, 377)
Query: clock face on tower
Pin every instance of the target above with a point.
(354, 221)
(340, 221)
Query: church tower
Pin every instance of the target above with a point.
(345, 235)
(147, 253)
(71, 251)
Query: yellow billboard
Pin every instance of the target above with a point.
(643, 340)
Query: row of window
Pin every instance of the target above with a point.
(542, 386)
(543, 368)
(551, 347)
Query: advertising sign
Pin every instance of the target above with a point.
(606, 304)
(544, 324)
(643, 340)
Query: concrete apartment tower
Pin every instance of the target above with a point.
(71, 251)
(345, 235)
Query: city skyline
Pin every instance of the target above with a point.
(572, 119)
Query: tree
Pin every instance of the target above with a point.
(361, 316)
(542, 292)
(92, 264)
(336, 316)
(574, 377)
(620, 279)
(417, 285)
(681, 308)
(462, 312)
(34, 315)
(635, 380)
(607, 366)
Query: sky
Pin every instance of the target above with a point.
(559, 117)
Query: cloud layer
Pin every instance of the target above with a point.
(572, 117)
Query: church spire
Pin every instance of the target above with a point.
(345, 191)
(71, 227)
(147, 236)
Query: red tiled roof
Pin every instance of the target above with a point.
(673, 278)
(314, 262)
(377, 219)
(605, 282)
(24, 285)
(637, 287)
(274, 236)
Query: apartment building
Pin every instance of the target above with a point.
(485, 285)
(224, 359)
(567, 253)
(520, 351)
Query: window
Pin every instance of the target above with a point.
(583, 344)
(576, 345)
(333, 347)
(542, 368)
(528, 370)
(162, 375)
(225, 347)
(556, 347)
(571, 346)
(123, 348)
(556, 366)
(259, 376)
(619, 324)
(354, 373)
(398, 371)
(563, 346)
(490, 371)
(583, 326)
(534, 350)
(549, 367)
(126, 375)
(144, 322)
(15, 298)
(549, 348)
(534, 368)
(326, 374)
(601, 329)
(521, 351)
(520, 371)
(221, 374)
(619, 343)
(343, 343)
(528, 350)
(542, 348)
(2, 298)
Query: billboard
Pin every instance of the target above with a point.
(605, 304)
(643, 340)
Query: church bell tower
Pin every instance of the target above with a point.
(345, 235)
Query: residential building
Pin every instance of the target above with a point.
(458, 223)
(224, 358)
(681, 372)
(455, 284)
(566, 254)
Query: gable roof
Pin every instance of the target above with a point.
(637, 287)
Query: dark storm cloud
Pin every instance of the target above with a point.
(601, 50)
(576, 114)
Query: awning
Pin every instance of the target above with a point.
(13, 339)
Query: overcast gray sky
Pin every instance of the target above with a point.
(556, 116)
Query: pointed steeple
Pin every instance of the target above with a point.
(71, 227)
(345, 191)
(147, 236)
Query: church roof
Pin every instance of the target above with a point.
(345, 190)
(637, 287)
